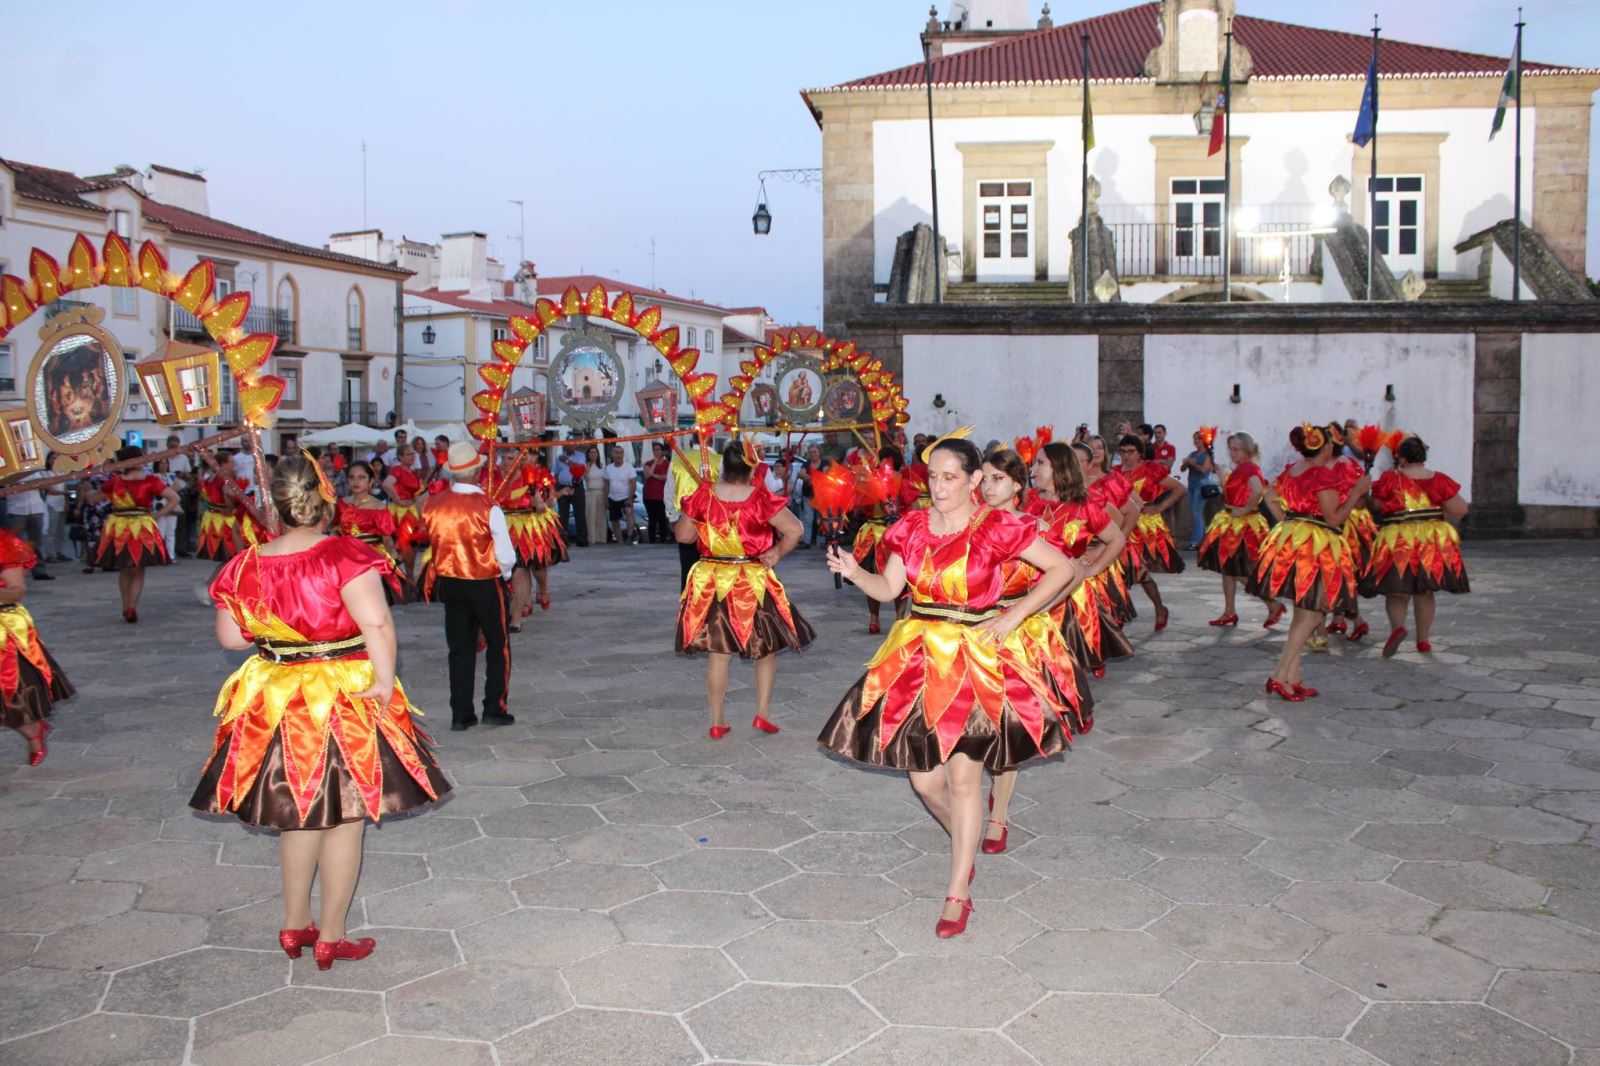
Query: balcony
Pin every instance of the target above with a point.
(257, 320)
(362, 412)
(354, 339)
(1266, 239)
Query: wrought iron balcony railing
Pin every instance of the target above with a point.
(361, 412)
(257, 320)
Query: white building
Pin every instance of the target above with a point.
(335, 315)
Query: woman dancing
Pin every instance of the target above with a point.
(1232, 544)
(549, 542)
(1151, 549)
(951, 691)
(220, 536)
(316, 734)
(1114, 492)
(733, 601)
(1095, 542)
(1306, 556)
(1360, 529)
(1053, 653)
(508, 486)
(1417, 551)
(130, 540)
(365, 517)
(868, 547)
(30, 681)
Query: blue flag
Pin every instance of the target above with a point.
(1367, 120)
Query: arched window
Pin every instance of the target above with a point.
(355, 316)
(288, 308)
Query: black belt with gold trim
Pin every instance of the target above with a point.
(130, 512)
(933, 612)
(729, 559)
(1427, 514)
(214, 508)
(369, 538)
(1316, 520)
(285, 651)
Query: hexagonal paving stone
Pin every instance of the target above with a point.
(1083, 857)
(506, 773)
(1566, 865)
(104, 1040)
(655, 808)
(148, 862)
(81, 838)
(1264, 999)
(852, 816)
(1075, 819)
(604, 763)
(704, 919)
(1360, 907)
(1285, 1051)
(538, 938)
(1290, 821)
(477, 1002)
(1480, 791)
(1560, 1004)
(1176, 803)
(651, 977)
(626, 844)
(897, 1046)
(211, 890)
(748, 829)
(1101, 961)
(976, 993)
(390, 1050)
(1193, 839)
(495, 858)
(1212, 881)
(1323, 860)
(585, 886)
(1518, 941)
(55, 907)
(421, 833)
(1521, 824)
(38, 999)
(537, 821)
(1400, 966)
(256, 1033)
(780, 1023)
(1468, 884)
(1229, 933)
(402, 955)
(601, 1038)
(24, 872)
(578, 790)
(722, 869)
(1091, 904)
(1421, 1034)
(1387, 805)
(910, 929)
(835, 897)
(195, 982)
(1435, 843)
(821, 953)
(1579, 906)
(440, 904)
(1079, 1030)
(849, 853)
(121, 941)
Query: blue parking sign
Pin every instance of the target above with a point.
(133, 438)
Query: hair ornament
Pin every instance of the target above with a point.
(955, 434)
(324, 486)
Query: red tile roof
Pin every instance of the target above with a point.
(556, 284)
(1120, 42)
(496, 308)
(190, 174)
(53, 186)
(736, 336)
(194, 224)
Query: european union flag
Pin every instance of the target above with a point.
(1367, 120)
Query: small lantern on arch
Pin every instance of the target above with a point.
(183, 383)
(658, 405)
(20, 450)
(528, 413)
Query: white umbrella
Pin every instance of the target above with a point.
(453, 430)
(348, 434)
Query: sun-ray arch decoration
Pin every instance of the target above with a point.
(117, 266)
(887, 402)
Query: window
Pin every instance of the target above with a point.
(8, 380)
(1397, 220)
(125, 302)
(354, 313)
(500, 333)
(688, 337)
(711, 341)
(541, 347)
(1196, 220)
(122, 224)
(195, 381)
(1005, 212)
(290, 373)
(288, 308)
(223, 287)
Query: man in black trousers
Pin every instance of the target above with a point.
(473, 558)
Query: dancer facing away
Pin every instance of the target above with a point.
(1417, 551)
(130, 540)
(1005, 478)
(220, 535)
(316, 734)
(1092, 538)
(1151, 549)
(951, 691)
(1109, 488)
(868, 546)
(1306, 556)
(30, 681)
(510, 487)
(732, 601)
(549, 543)
(363, 516)
(1232, 544)
(1360, 529)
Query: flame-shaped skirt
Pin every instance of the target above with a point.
(738, 607)
(1414, 553)
(30, 680)
(1307, 562)
(1232, 544)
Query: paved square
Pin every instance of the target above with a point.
(1402, 871)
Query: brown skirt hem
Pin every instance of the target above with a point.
(34, 698)
(769, 633)
(1414, 582)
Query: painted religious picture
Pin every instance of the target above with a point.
(800, 389)
(764, 402)
(587, 377)
(76, 389)
(844, 401)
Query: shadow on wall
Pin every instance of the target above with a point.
(888, 224)
(1295, 168)
(1495, 209)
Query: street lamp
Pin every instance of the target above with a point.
(428, 334)
(761, 221)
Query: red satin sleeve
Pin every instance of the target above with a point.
(1006, 535)
(14, 551)
(1442, 488)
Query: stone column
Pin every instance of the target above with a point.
(1496, 422)
(1121, 381)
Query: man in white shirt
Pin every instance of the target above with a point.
(182, 469)
(25, 516)
(621, 481)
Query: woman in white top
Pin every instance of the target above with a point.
(594, 494)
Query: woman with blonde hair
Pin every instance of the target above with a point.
(1232, 544)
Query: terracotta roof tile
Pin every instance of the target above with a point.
(737, 336)
(498, 308)
(52, 186)
(193, 224)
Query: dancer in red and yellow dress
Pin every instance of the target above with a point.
(1360, 529)
(546, 544)
(1051, 653)
(220, 538)
(952, 690)
(1306, 557)
(402, 485)
(1150, 549)
(1417, 551)
(30, 681)
(508, 486)
(1232, 544)
(316, 734)
(363, 516)
(868, 546)
(1111, 490)
(733, 602)
(1089, 535)
(130, 541)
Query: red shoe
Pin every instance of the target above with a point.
(949, 927)
(526, 611)
(1392, 645)
(1284, 691)
(763, 724)
(1275, 615)
(1224, 620)
(130, 615)
(720, 731)
(351, 950)
(996, 847)
(1336, 627)
(1424, 646)
(543, 600)
(1099, 672)
(1358, 632)
(1162, 614)
(37, 757)
(293, 940)
(873, 627)
(1305, 692)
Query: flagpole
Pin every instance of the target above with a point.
(1516, 208)
(1227, 170)
(933, 174)
(1083, 240)
(1372, 177)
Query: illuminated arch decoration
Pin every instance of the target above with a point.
(117, 266)
(887, 402)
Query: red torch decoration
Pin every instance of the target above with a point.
(1370, 440)
(833, 494)
(1392, 442)
(1208, 436)
(1043, 435)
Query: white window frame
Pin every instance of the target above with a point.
(125, 302)
(8, 379)
(1196, 218)
(122, 223)
(1389, 227)
(688, 336)
(1000, 204)
(710, 341)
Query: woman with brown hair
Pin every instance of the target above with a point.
(130, 539)
(1108, 487)
(1417, 550)
(1232, 544)
(1097, 540)
(317, 735)
(1151, 549)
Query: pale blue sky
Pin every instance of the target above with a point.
(616, 120)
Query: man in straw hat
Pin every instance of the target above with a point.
(473, 557)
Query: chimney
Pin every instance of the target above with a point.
(464, 264)
(527, 282)
(178, 188)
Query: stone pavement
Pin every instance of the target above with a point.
(1403, 871)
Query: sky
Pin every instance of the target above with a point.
(623, 125)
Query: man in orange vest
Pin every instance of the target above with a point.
(473, 558)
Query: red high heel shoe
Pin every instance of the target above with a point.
(1275, 615)
(873, 627)
(1338, 626)
(1283, 691)
(1358, 632)
(764, 725)
(130, 615)
(1424, 646)
(1392, 645)
(37, 757)
(996, 847)
(949, 927)
(1099, 672)
(1224, 620)
(1162, 614)
(1305, 692)
(292, 941)
(720, 731)
(543, 600)
(350, 950)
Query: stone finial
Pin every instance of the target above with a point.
(1412, 287)
(933, 20)
(1094, 195)
(1045, 22)
(1105, 287)
(1339, 189)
